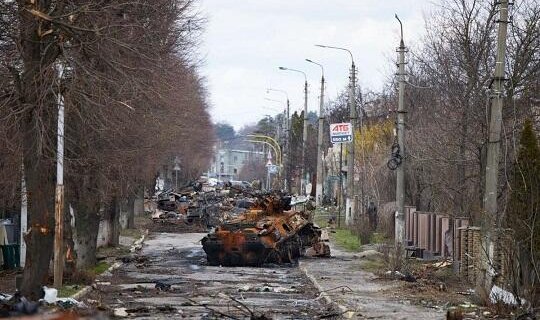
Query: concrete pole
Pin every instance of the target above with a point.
(319, 183)
(58, 262)
(340, 199)
(350, 206)
(24, 219)
(350, 203)
(319, 186)
(400, 172)
(304, 137)
(494, 141)
(287, 149)
(285, 139)
(304, 140)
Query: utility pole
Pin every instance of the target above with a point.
(24, 219)
(319, 185)
(304, 140)
(287, 149)
(286, 139)
(340, 199)
(304, 134)
(58, 262)
(350, 211)
(494, 141)
(350, 203)
(400, 173)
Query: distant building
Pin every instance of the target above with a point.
(227, 163)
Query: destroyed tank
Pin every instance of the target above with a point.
(269, 232)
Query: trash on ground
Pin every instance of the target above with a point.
(498, 294)
(120, 312)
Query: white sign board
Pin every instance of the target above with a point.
(341, 132)
(273, 169)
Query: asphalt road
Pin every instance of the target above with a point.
(188, 288)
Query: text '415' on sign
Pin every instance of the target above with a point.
(341, 132)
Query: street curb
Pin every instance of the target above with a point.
(322, 293)
(87, 289)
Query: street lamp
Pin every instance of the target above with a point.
(350, 203)
(280, 124)
(319, 185)
(176, 169)
(304, 134)
(286, 139)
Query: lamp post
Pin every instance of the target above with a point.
(319, 185)
(58, 261)
(400, 172)
(286, 139)
(176, 169)
(350, 203)
(304, 134)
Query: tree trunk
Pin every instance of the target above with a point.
(39, 240)
(114, 216)
(131, 212)
(85, 235)
(86, 204)
(38, 128)
(139, 203)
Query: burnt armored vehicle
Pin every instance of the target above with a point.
(268, 232)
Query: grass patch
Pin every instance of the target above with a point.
(377, 237)
(321, 221)
(101, 267)
(346, 239)
(68, 290)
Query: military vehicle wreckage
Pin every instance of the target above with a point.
(268, 232)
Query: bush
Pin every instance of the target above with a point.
(393, 257)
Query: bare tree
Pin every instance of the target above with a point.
(128, 71)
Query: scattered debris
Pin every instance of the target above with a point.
(50, 295)
(120, 312)
(370, 254)
(498, 294)
(442, 264)
(161, 286)
(407, 276)
(266, 288)
(69, 303)
(469, 292)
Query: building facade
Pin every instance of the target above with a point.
(227, 163)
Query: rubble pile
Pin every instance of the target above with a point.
(198, 207)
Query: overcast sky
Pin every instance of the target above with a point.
(246, 40)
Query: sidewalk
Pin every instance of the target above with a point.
(369, 299)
